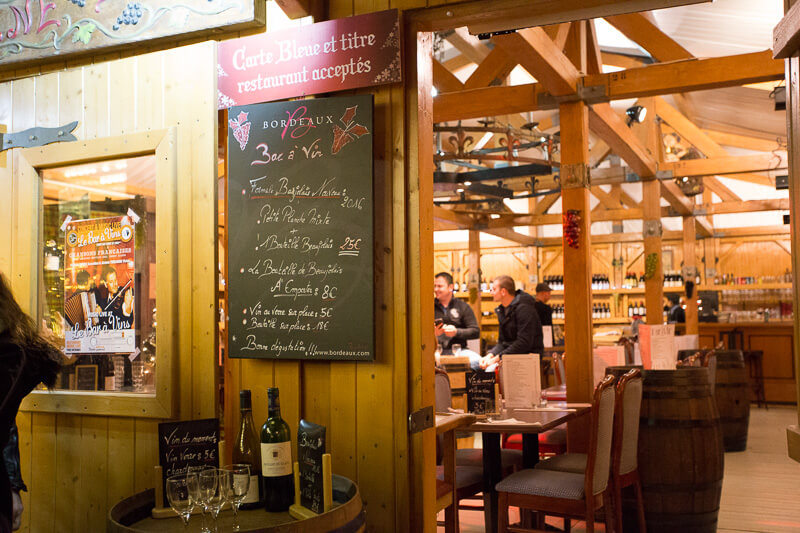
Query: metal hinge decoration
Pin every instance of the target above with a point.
(38, 136)
(652, 228)
(420, 420)
(575, 176)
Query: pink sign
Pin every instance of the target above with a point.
(329, 56)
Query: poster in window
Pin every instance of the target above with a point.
(99, 286)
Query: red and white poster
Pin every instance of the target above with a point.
(99, 286)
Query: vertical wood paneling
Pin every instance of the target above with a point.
(92, 492)
(95, 102)
(121, 96)
(149, 92)
(316, 392)
(288, 380)
(121, 459)
(5, 180)
(43, 466)
(68, 471)
(145, 446)
(343, 399)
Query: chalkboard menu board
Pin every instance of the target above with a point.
(300, 251)
(187, 443)
(86, 377)
(480, 392)
(310, 448)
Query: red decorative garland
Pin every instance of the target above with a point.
(572, 230)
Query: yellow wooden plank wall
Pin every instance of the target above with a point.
(77, 467)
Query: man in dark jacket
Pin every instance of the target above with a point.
(520, 327)
(455, 321)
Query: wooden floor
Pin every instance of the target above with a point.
(761, 487)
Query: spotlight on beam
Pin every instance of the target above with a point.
(636, 114)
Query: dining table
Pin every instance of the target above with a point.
(527, 421)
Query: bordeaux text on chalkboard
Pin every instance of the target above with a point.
(480, 392)
(310, 449)
(300, 237)
(187, 443)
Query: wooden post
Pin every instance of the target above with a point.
(577, 261)
(474, 284)
(689, 272)
(654, 286)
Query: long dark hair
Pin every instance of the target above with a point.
(22, 331)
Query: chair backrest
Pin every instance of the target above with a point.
(442, 387)
(626, 425)
(598, 463)
(558, 368)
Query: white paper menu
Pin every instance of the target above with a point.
(522, 384)
(547, 336)
(658, 346)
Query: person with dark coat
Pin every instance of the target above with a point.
(544, 311)
(455, 320)
(675, 312)
(520, 330)
(26, 359)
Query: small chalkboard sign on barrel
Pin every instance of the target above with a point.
(480, 392)
(187, 443)
(312, 473)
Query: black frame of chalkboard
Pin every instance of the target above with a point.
(78, 369)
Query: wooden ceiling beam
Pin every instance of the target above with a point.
(546, 203)
(457, 62)
(625, 198)
(540, 56)
(492, 71)
(500, 15)
(746, 206)
(786, 35)
(594, 58)
(738, 167)
(621, 60)
(677, 200)
(487, 102)
(703, 227)
(598, 152)
(444, 80)
(641, 30)
(743, 141)
(609, 126)
(716, 186)
(511, 235)
(688, 75)
(458, 219)
(651, 80)
(606, 199)
(576, 47)
(464, 43)
(558, 33)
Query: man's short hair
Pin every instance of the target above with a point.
(673, 298)
(507, 283)
(542, 287)
(106, 271)
(447, 277)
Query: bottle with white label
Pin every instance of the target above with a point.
(276, 458)
(247, 451)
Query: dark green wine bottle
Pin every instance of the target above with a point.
(276, 458)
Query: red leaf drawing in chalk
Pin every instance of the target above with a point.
(351, 131)
(241, 129)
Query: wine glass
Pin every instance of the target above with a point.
(456, 349)
(198, 493)
(179, 497)
(209, 483)
(235, 481)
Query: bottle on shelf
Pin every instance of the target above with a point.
(276, 458)
(247, 450)
(630, 309)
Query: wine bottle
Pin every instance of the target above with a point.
(247, 451)
(276, 458)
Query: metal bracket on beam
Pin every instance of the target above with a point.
(575, 176)
(653, 228)
(632, 177)
(591, 95)
(700, 211)
(664, 175)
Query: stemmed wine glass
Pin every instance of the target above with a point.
(179, 497)
(235, 483)
(210, 491)
(198, 494)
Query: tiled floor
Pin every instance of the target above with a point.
(761, 487)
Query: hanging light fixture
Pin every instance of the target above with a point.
(635, 114)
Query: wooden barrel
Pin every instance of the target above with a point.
(680, 453)
(133, 515)
(733, 401)
(731, 392)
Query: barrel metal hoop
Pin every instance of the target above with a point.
(668, 423)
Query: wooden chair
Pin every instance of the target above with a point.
(624, 463)
(567, 494)
(452, 482)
